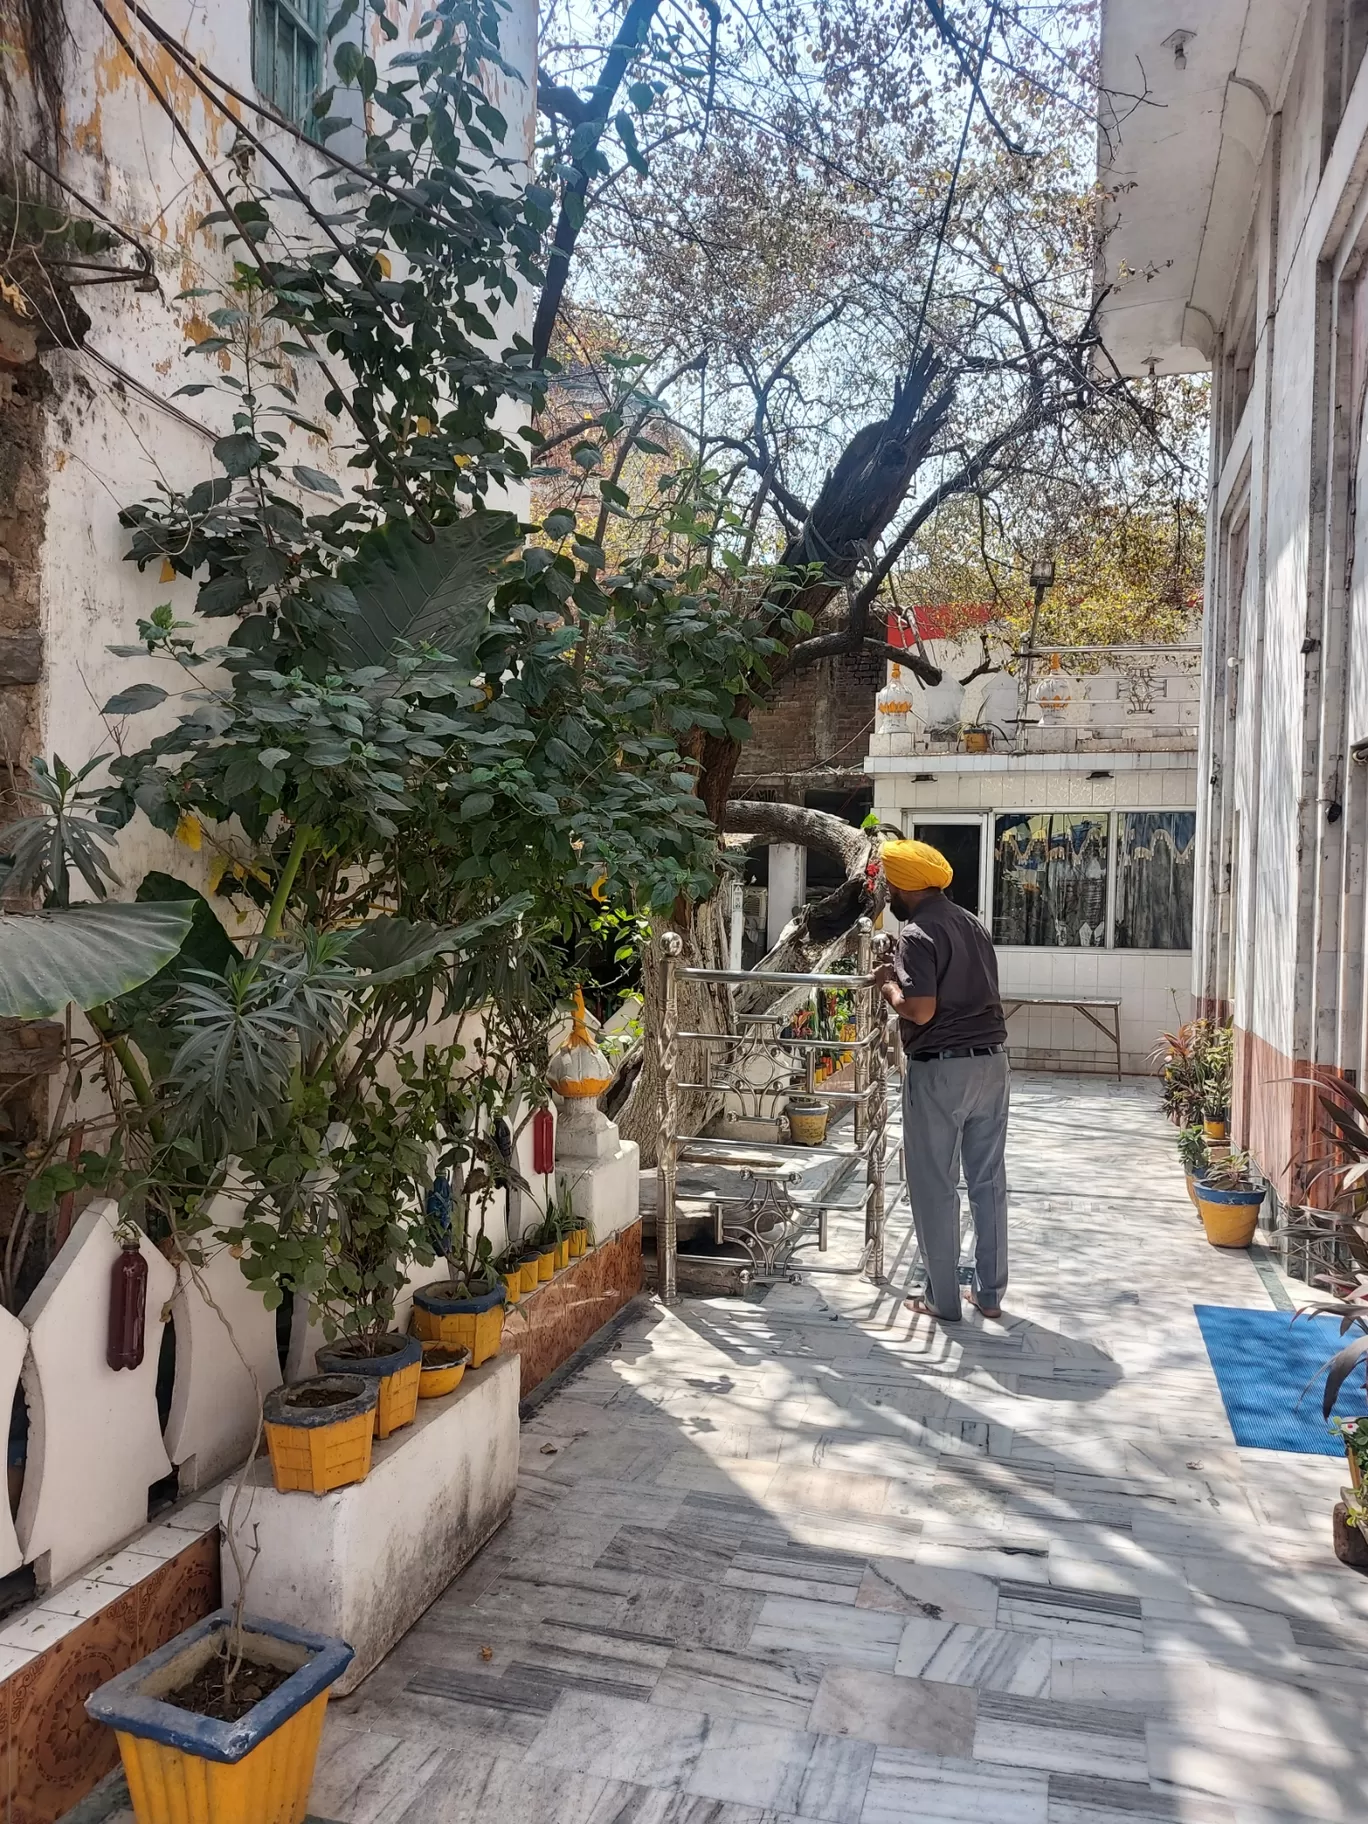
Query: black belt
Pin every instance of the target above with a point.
(957, 1051)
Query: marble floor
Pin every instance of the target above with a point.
(810, 1558)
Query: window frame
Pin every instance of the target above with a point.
(984, 820)
(295, 13)
(1142, 810)
(1111, 813)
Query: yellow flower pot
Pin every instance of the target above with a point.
(449, 1314)
(1229, 1217)
(546, 1264)
(579, 1242)
(319, 1433)
(531, 1274)
(807, 1126)
(442, 1370)
(396, 1367)
(562, 1253)
(1214, 1130)
(513, 1284)
(183, 1768)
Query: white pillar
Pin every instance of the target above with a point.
(738, 921)
(787, 867)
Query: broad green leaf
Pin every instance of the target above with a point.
(437, 592)
(84, 954)
(135, 699)
(315, 479)
(388, 949)
(239, 453)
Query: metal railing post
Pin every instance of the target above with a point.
(671, 948)
(872, 1115)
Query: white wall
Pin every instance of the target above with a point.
(1154, 986)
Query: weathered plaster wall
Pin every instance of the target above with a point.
(112, 437)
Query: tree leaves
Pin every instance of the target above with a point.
(84, 955)
(134, 700)
(436, 593)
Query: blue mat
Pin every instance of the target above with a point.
(1264, 1361)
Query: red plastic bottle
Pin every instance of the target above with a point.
(127, 1308)
(543, 1141)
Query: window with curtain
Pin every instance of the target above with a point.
(1156, 865)
(287, 53)
(1050, 879)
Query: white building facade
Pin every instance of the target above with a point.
(1238, 224)
(1066, 803)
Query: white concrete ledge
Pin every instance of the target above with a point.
(1071, 761)
(364, 1562)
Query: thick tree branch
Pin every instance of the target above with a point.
(796, 823)
(588, 134)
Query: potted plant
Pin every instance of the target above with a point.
(1228, 1201)
(807, 1119)
(319, 1432)
(224, 1721)
(1353, 1434)
(1192, 1152)
(1215, 1118)
(444, 1368)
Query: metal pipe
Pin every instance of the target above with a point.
(1026, 652)
(671, 948)
(762, 976)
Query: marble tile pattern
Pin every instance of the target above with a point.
(807, 1557)
(546, 1327)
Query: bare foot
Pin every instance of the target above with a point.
(989, 1311)
(922, 1305)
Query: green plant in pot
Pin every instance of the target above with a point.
(1229, 1201)
(376, 1227)
(1193, 1156)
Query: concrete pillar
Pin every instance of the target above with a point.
(787, 868)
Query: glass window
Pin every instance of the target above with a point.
(1156, 864)
(1050, 879)
(287, 40)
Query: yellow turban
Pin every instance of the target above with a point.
(914, 866)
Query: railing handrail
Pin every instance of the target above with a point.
(780, 977)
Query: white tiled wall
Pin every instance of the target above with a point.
(1026, 789)
(1154, 987)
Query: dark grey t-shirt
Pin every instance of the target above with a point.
(945, 951)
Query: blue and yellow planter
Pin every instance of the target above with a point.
(188, 1769)
(397, 1369)
(1229, 1217)
(317, 1448)
(461, 1321)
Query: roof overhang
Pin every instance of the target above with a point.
(1181, 141)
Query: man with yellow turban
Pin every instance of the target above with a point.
(943, 986)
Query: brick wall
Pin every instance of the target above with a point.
(818, 724)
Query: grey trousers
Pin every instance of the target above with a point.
(955, 1111)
